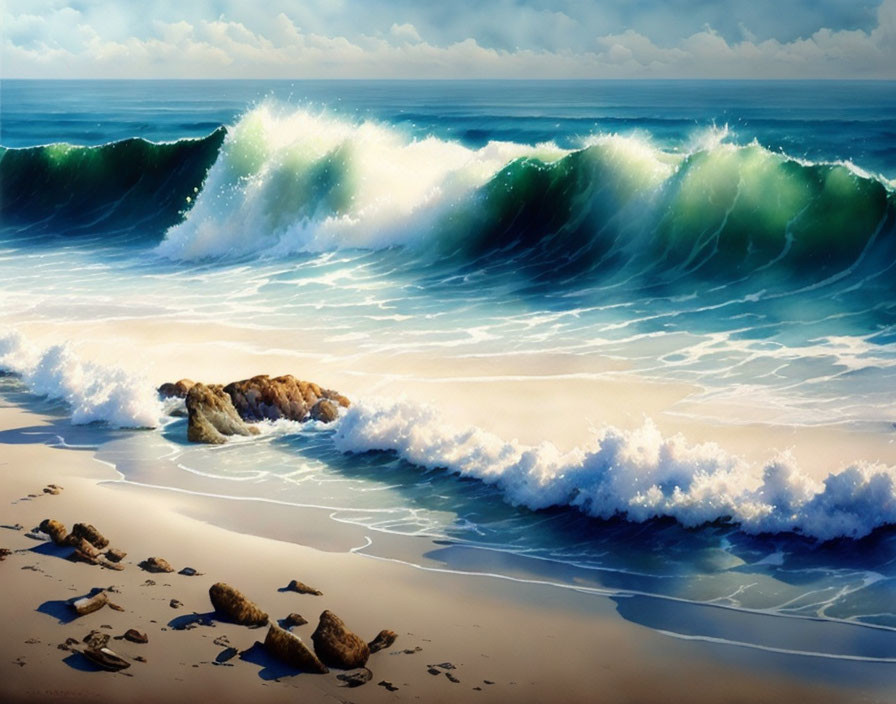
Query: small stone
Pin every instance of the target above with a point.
(433, 671)
(231, 602)
(135, 636)
(356, 679)
(336, 645)
(388, 685)
(115, 555)
(188, 572)
(115, 607)
(156, 564)
(289, 648)
(96, 639)
(52, 489)
(302, 588)
(293, 620)
(452, 677)
(4, 553)
(139, 658)
(383, 640)
(175, 604)
(90, 534)
(106, 659)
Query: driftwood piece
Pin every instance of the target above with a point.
(88, 604)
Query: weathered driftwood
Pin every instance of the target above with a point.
(88, 604)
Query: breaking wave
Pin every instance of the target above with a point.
(93, 393)
(638, 475)
(289, 181)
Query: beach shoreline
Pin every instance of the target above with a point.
(531, 640)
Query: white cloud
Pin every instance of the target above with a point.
(65, 42)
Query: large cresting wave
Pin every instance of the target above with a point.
(618, 207)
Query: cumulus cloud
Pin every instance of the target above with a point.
(571, 39)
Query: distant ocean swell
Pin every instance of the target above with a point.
(638, 475)
(617, 209)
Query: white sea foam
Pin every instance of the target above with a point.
(293, 180)
(638, 474)
(94, 393)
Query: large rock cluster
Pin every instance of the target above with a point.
(216, 412)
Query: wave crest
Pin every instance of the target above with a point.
(638, 474)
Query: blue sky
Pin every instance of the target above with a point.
(456, 39)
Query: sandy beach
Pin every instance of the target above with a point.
(501, 639)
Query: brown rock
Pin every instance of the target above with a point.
(212, 417)
(53, 489)
(302, 588)
(384, 639)
(175, 604)
(89, 604)
(289, 648)
(294, 619)
(55, 530)
(156, 564)
(264, 398)
(96, 639)
(106, 659)
(90, 534)
(81, 556)
(83, 546)
(115, 555)
(135, 636)
(117, 566)
(177, 389)
(357, 678)
(337, 646)
(231, 602)
(324, 411)
(4, 553)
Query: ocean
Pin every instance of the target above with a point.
(635, 338)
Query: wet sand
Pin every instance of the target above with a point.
(507, 640)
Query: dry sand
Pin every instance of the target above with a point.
(531, 642)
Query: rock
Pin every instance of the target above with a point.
(117, 566)
(383, 640)
(96, 639)
(114, 606)
(89, 604)
(55, 530)
(115, 555)
(135, 636)
(83, 546)
(452, 678)
(177, 389)
(294, 619)
(4, 553)
(289, 648)
(302, 588)
(356, 679)
(88, 533)
(175, 604)
(188, 572)
(53, 489)
(237, 607)
(337, 646)
(212, 417)
(264, 398)
(388, 685)
(156, 564)
(324, 411)
(81, 556)
(106, 659)
(433, 671)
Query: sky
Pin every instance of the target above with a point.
(448, 39)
